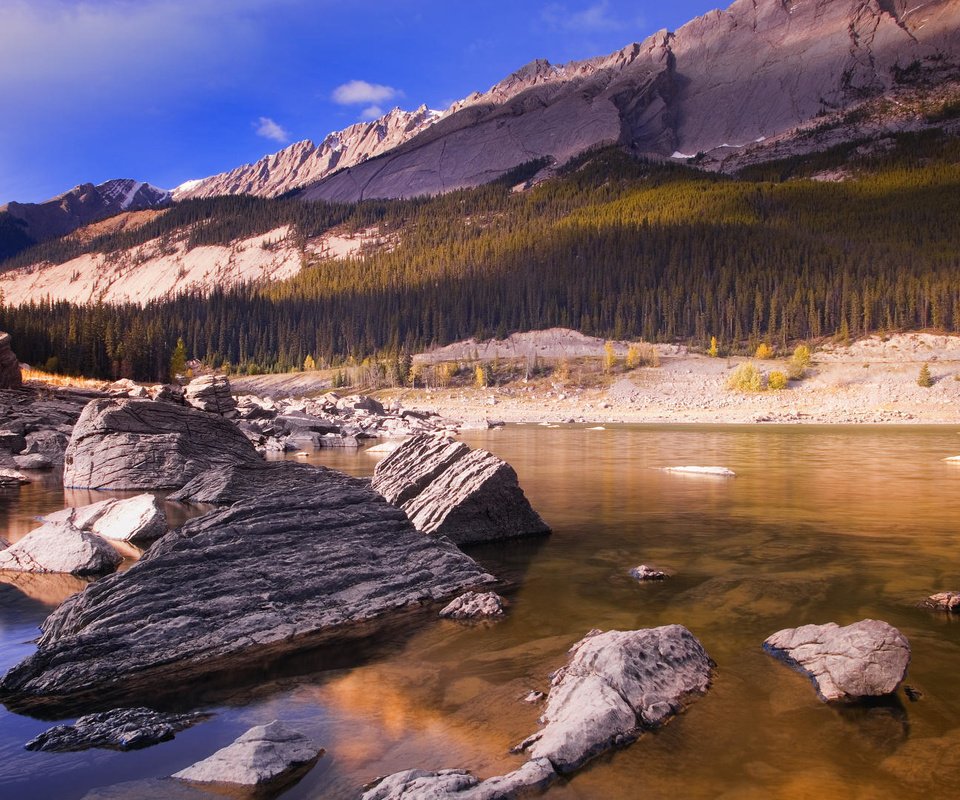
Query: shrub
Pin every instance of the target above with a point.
(764, 351)
(746, 378)
(799, 361)
(924, 379)
(642, 355)
(714, 351)
(609, 357)
(777, 380)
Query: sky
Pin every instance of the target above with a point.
(166, 91)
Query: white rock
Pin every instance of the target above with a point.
(262, 754)
(474, 605)
(57, 547)
(139, 519)
(648, 573)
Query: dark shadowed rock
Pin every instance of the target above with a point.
(616, 685)
(450, 490)
(943, 601)
(51, 444)
(866, 659)
(283, 571)
(458, 784)
(211, 393)
(264, 754)
(59, 547)
(141, 444)
(10, 377)
(474, 605)
(120, 729)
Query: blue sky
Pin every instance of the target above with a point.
(169, 90)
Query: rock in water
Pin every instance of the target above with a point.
(57, 547)
(447, 489)
(120, 729)
(282, 571)
(458, 784)
(474, 605)
(263, 754)
(139, 519)
(12, 477)
(211, 393)
(141, 444)
(10, 377)
(615, 685)
(648, 573)
(866, 659)
(943, 601)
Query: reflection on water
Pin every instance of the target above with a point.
(820, 524)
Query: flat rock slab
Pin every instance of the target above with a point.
(447, 489)
(474, 605)
(283, 571)
(866, 659)
(263, 754)
(59, 547)
(12, 477)
(120, 729)
(615, 685)
(143, 444)
(139, 519)
(458, 784)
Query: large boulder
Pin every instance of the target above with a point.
(10, 376)
(615, 685)
(281, 571)
(264, 754)
(59, 547)
(866, 659)
(211, 393)
(139, 520)
(447, 489)
(142, 444)
(227, 485)
(119, 729)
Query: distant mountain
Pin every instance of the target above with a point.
(24, 224)
(304, 163)
(726, 82)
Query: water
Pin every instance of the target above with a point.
(820, 524)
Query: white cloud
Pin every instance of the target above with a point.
(596, 17)
(355, 93)
(269, 129)
(371, 112)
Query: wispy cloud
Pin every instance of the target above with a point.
(592, 19)
(371, 112)
(355, 93)
(269, 129)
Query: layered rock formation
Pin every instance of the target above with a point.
(211, 393)
(449, 490)
(142, 444)
(10, 377)
(866, 659)
(282, 571)
(119, 729)
(304, 162)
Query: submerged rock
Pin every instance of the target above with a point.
(57, 547)
(648, 573)
(459, 784)
(120, 729)
(447, 489)
(263, 754)
(943, 601)
(142, 444)
(866, 659)
(474, 605)
(282, 571)
(615, 685)
(720, 472)
(211, 393)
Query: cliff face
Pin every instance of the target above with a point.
(304, 162)
(724, 80)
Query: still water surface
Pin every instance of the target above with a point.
(820, 524)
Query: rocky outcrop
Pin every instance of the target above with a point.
(264, 754)
(648, 573)
(141, 444)
(943, 601)
(281, 571)
(119, 729)
(616, 685)
(10, 377)
(57, 547)
(458, 784)
(140, 519)
(231, 484)
(33, 461)
(474, 605)
(866, 659)
(446, 489)
(211, 393)
(12, 477)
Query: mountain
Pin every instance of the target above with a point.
(727, 81)
(305, 163)
(24, 224)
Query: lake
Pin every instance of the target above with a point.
(820, 524)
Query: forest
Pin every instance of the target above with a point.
(611, 246)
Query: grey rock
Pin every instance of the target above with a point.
(51, 444)
(140, 444)
(615, 685)
(34, 461)
(458, 784)
(12, 477)
(358, 402)
(295, 565)
(237, 482)
(264, 754)
(10, 376)
(12, 441)
(167, 393)
(866, 659)
(447, 489)
(943, 601)
(648, 573)
(119, 729)
(140, 519)
(474, 605)
(211, 393)
(56, 547)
